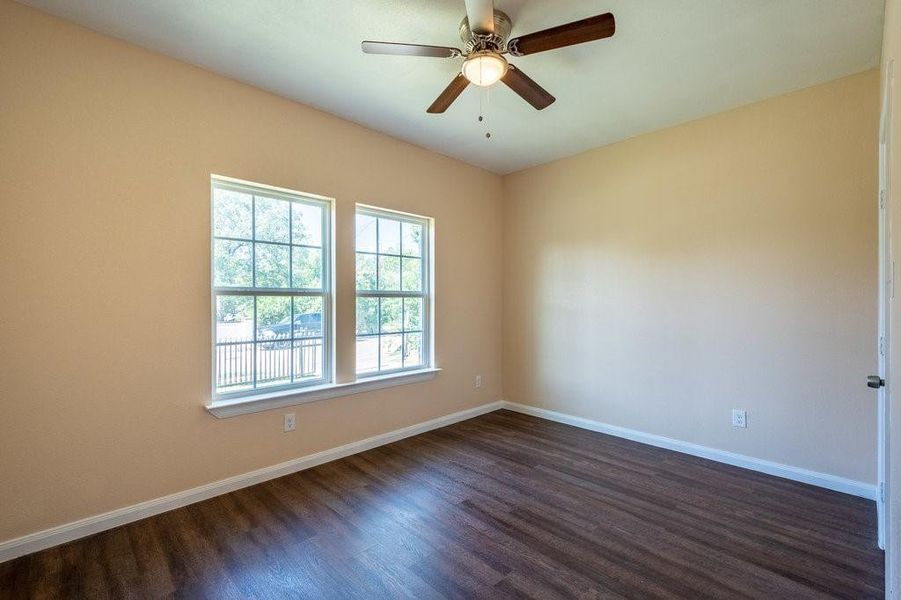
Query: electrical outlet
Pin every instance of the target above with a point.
(739, 418)
(290, 422)
(478, 381)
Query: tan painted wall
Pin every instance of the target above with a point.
(105, 156)
(730, 262)
(891, 51)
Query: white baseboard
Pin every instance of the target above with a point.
(824, 480)
(48, 538)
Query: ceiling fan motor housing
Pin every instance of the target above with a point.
(496, 41)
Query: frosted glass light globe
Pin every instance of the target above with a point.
(484, 68)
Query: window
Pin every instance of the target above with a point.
(271, 289)
(393, 296)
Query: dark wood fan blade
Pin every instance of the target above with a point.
(577, 32)
(409, 49)
(450, 93)
(480, 14)
(530, 91)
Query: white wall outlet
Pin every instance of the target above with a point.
(478, 381)
(290, 422)
(739, 418)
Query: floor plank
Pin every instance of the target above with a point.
(500, 506)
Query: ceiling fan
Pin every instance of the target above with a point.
(484, 32)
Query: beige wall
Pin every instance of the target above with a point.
(891, 51)
(730, 262)
(106, 151)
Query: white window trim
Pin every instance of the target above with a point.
(428, 282)
(251, 401)
(223, 409)
(326, 293)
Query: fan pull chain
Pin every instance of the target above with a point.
(483, 113)
(480, 105)
(488, 102)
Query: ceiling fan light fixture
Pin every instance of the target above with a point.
(484, 32)
(484, 68)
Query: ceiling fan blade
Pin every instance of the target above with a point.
(480, 14)
(577, 32)
(530, 91)
(409, 49)
(450, 93)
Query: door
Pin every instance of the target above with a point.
(886, 295)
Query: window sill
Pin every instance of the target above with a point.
(259, 402)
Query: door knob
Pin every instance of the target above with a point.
(875, 381)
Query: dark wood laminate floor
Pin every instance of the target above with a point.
(501, 506)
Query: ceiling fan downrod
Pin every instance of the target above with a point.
(495, 41)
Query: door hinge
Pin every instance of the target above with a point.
(882, 492)
(881, 345)
(881, 198)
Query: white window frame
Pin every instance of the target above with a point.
(426, 294)
(326, 293)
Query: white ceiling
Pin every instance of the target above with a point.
(670, 61)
